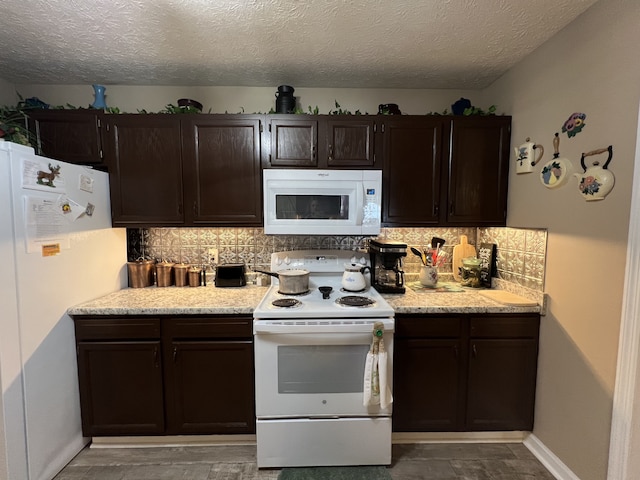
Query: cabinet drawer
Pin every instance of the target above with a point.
(113, 328)
(426, 326)
(505, 326)
(227, 326)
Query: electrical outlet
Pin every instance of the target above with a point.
(213, 255)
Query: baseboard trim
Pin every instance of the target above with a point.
(458, 437)
(172, 441)
(555, 466)
(216, 440)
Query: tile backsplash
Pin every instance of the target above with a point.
(521, 253)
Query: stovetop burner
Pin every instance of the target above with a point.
(355, 301)
(286, 302)
(344, 290)
(300, 294)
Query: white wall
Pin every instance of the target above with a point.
(7, 93)
(591, 67)
(252, 99)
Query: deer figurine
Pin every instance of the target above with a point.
(47, 178)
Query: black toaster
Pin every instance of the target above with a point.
(230, 275)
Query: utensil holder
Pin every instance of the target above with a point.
(428, 276)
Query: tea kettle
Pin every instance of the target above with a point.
(353, 277)
(595, 182)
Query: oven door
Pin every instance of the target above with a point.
(315, 374)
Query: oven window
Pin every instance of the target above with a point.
(312, 206)
(321, 368)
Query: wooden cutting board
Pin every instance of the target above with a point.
(460, 251)
(507, 298)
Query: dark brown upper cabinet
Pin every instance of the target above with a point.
(477, 170)
(73, 136)
(349, 141)
(222, 169)
(293, 141)
(445, 171)
(320, 141)
(144, 154)
(411, 169)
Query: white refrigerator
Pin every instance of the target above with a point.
(57, 249)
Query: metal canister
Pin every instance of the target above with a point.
(194, 277)
(181, 274)
(164, 274)
(140, 273)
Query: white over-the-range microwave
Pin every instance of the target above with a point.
(322, 202)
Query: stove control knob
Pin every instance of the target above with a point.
(278, 261)
(354, 259)
(287, 260)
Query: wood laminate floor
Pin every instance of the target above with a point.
(450, 461)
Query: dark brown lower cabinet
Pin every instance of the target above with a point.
(465, 373)
(165, 376)
(209, 375)
(121, 388)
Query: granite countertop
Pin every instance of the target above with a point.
(207, 300)
(210, 300)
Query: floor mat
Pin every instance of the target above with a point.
(335, 473)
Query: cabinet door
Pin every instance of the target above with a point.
(144, 155)
(223, 182)
(121, 388)
(72, 136)
(478, 170)
(501, 386)
(294, 142)
(411, 149)
(210, 387)
(349, 142)
(427, 388)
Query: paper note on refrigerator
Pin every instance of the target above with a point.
(44, 223)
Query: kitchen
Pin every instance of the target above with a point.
(579, 335)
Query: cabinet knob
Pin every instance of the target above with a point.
(474, 350)
(175, 354)
(330, 158)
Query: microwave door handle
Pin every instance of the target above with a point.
(360, 203)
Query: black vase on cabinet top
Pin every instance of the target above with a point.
(285, 101)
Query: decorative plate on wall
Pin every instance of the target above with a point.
(555, 172)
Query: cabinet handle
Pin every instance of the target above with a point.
(474, 350)
(436, 209)
(179, 209)
(155, 357)
(313, 152)
(195, 207)
(175, 354)
(452, 209)
(330, 158)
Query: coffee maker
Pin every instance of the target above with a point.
(386, 265)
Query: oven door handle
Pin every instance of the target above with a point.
(338, 329)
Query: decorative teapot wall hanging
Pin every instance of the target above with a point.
(525, 156)
(595, 182)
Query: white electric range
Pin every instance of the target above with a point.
(310, 356)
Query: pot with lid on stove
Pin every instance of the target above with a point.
(290, 282)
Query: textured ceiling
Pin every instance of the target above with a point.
(464, 44)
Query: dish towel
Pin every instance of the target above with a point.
(376, 389)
